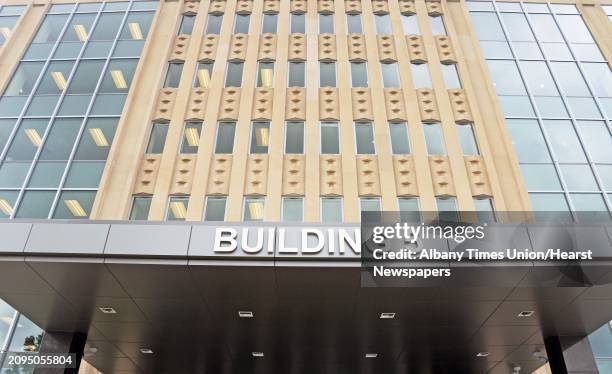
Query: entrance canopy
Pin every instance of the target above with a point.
(162, 287)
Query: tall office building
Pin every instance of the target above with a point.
(118, 117)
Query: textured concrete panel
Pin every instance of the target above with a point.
(394, 103)
(362, 104)
(297, 47)
(267, 47)
(294, 180)
(183, 174)
(441, 175)
(147, 174)
(238, 48)
(165, 103)
(329, 106)
(256, 177)
(230, 103)
(208, 50)
(262, 103)
(352, 6)
(197, 104)
(445, 49)
(405, 175)
(357, 47)
(416, 49)
(428, 106)
(368, 181)
(330, 178)
(386, 48)
(477, 173)
(327, 47)
(180, 48)
(460, 105)
(219, 177)
(295, 108)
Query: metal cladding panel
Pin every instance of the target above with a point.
(67, 238)
(148, 240)
(14, 236)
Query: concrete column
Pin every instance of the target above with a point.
(570, 355)
(61, 343)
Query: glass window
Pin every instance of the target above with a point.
(260, 137)
(451, 77)
(253, 209)
(570, 79)
(546, 28)
(359, 74)
(241, 25)
(434, 139)
(327, 74)
(528, 140)
(420, 76)
(173, 75)
(437, 25)
(269, 23)
(97, 138)
(213, 26)
(485, 211)
(447, 209)
(548, 202)
(61, 138)
(600, 78)
(215, 208)
(85, 174)
(293, 209)
(605, 174)
(488, 27)
(203, 74)
(157, 140)
(578, 177)
(400, 144)
(7, 314)
(383, 24)
(27, 140)
(35, 204)
(86, 77)
(296, 74)
(597, 140)
(326, 24)
(506, 78)
(330, 138)
(119, 75)
(47, 174)
(583, 202)
(409, 209)
(23, 79)
(331, 209)
(294, 137)
(265, 74)
(564, 141)
(187, 24)
(574, 29)
(54, 80)
(107, 27)
(79, 28)
(191, 137)
(12, 174)
(541, 177)
(27, 336)
(140, 208)
(468, 140)
(177, 208)
(138, 24)
(410, 25)
(390, 75)
(298, 23)
(7, 205)
(234, 74)
(225, 137)
(354, 23)
(6, 127)
(51, 28)
(6, 26)
(369, 204)
(364, 135)
(538, 78)
(74, 205)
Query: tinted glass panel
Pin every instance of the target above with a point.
(225, 137)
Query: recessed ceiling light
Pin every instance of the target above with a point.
(34, 137)
(81, 32)
(257, 354)
(482, 354)
(6, 207)
(119, 79)
(371, 355)
(192, 135)
(245, 314)
(146, 351)
(526, 313)
(179, 210)
(108, 310)
(98, 137)
(387, 315)
(135, 30)
(75, 208)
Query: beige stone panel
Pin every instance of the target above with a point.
(238, 47)
(217, 7)
(294, 180)
(434, 8)
(330, 175)
(197, 104)
(428, 106)
(271, 6)
(386, 48)
(230, 103)
(357, 47)
(262, 104)
(327, 47)
(362, 104)
(190, 7)
(325, 6)
(416, 49)
(296, 104)
(461, 107)
(445, 49)
(298, 6)
(220, 172)
(394, 103)
(244, 6)
(147, 175)
(165, 103)
(297, 47)
(442, 177)
(368, 183)
(183, 174)
(329, 103)
(380, 6)
(405, 176)
(208, 50)
(407, 7)
(267, 47)
(180, 48)
(477, 173)
(352, 6)
(256, 179)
